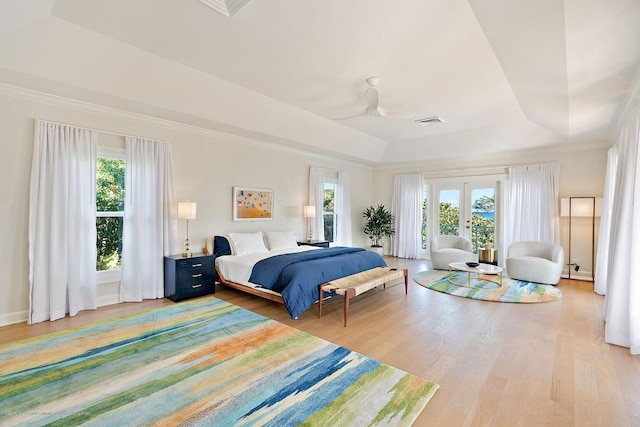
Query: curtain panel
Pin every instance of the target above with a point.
(343, 210)
(622, 288)
(316, 198)
(531, 204)
(406, 206)
(62, 222)
(150, 228)
(604, 236)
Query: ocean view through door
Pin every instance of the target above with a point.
(483, 215)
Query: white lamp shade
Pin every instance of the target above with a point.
(580, 207)
(187, 210)
(309, 211)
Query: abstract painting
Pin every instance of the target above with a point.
(250, 204)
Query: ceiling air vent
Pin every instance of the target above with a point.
(429, 121)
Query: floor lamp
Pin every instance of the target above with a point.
(187, 210)
(581, 207)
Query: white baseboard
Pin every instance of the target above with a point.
(23, 316)
(15, 317)
(578, 275)
(108, 300)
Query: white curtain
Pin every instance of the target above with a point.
(622, 300)
(316, 198)
(604, 236)
(149, 229)
(62, 222)
(531, 205)
(406, 206)
(343, 210)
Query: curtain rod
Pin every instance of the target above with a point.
(477, 169)
(100, 130)
(484, 168)
(328, 169)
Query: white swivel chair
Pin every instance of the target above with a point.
(538, 262)
(448, 249)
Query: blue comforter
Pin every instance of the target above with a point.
(297, 276)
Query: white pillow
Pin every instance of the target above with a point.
(248, 243)
(280, 240)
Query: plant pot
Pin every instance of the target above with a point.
(378, 249)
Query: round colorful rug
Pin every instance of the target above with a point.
(516, 291)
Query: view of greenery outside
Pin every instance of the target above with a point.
(449, 219)
(109, 211)
(482, 231)
(328, 212)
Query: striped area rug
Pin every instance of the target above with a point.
(200, 362)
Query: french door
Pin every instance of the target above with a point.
(465, 209)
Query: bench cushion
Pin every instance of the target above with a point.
(363, 281)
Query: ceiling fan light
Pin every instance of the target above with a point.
(226, 7)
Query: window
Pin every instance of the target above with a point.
(464, 206)
(110, 171)
(328, 210)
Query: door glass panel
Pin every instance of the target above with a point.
(483, 217)
(449, 212)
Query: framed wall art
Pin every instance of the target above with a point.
(252, 204)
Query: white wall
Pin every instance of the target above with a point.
(206, 167)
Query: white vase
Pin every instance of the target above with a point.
(378, 249)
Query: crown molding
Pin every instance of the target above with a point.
(489, 160)
(632, 99)
(26, 94)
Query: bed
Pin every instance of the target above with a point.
(272, 265)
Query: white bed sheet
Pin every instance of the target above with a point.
(237, 268)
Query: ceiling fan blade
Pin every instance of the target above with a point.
(373, 109)
(363, 113)
(372, 96)
(395, 114)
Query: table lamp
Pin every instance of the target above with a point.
(187, 210)
(309, 212)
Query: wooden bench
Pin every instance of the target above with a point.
(356, 284)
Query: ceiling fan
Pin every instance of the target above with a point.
(373, 109)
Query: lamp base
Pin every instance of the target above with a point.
(187, 251)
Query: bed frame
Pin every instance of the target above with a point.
(248, 289)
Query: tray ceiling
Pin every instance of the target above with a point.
(501, 75)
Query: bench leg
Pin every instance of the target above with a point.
(406, 281)
(320, 300)
(350, 293)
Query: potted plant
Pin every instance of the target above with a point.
(378, 224)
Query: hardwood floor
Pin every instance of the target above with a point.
(497, 364)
